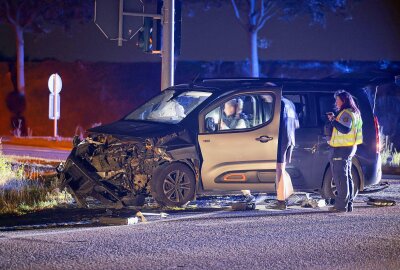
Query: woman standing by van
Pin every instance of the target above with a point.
(346, 135)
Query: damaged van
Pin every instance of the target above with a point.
(176, 147)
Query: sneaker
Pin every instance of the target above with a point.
(249, 198)
(278, 205)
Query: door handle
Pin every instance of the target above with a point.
(264, 139)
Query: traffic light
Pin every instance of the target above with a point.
(145, 35)
(150, 36)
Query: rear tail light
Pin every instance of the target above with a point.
(378, 141)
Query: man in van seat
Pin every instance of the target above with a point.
(232, 117)
(288, 124)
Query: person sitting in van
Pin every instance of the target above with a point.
(240, 114)
(231, 119)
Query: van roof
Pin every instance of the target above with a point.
(326, 84)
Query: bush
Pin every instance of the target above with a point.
(23, 189)
(390, 156)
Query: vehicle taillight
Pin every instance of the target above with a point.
(378, 141)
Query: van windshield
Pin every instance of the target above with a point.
(169, 107)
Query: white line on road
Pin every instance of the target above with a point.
(35, 234)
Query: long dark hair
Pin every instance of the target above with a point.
(348, 101)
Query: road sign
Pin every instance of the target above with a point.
(51, 106)
(55, 85)
(55, 82)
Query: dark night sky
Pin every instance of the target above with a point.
(372, 34)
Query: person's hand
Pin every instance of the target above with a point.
(330, 116)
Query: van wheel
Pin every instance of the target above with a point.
(329, 190)
(173, 185)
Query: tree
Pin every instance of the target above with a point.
(39, 17)
(253, 16)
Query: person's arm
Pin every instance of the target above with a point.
(343, 125)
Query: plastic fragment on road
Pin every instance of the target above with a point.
(380, 202)
(115, 220)
(243, 206)
(162, 214)
(313, 203)
(118, 220)
(141, 216)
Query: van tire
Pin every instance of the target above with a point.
(173, 185)
(328, 190)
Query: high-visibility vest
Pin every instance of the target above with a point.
(354, 137)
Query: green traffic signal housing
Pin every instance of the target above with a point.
(145, 36)
(150, 35)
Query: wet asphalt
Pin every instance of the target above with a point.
(298, 238)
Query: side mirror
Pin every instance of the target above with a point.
(210, 125)
(76, 140)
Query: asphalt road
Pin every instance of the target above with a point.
(298, 238)
(35, 152)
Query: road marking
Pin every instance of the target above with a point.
(34, 234)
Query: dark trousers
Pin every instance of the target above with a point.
(341, 172)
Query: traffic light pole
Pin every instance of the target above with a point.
(168, 56)
(168, 22)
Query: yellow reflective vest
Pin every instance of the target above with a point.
(354, 137)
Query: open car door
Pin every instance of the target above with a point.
(242, 156)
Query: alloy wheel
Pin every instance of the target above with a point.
(176, 186)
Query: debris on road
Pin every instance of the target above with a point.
(313, 203)
(162, 214)
(375, 188)
(243, 206)
(380, 202)
(141, 216)
(111, 219)
(118, 220)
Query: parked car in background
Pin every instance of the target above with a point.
(174, 148)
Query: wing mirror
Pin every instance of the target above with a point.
(210, 125)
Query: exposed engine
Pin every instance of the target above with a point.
(111, 170)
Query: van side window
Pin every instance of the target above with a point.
(326, 103)
(302, 108)
(241, 112)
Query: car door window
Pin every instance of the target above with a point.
(240, 112)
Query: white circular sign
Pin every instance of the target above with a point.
(55, 83)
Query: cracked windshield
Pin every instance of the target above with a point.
(169, 107)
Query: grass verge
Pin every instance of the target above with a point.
(390, 156)
(28, 187)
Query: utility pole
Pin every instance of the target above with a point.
(168, 55)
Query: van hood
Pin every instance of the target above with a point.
(137, 129)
